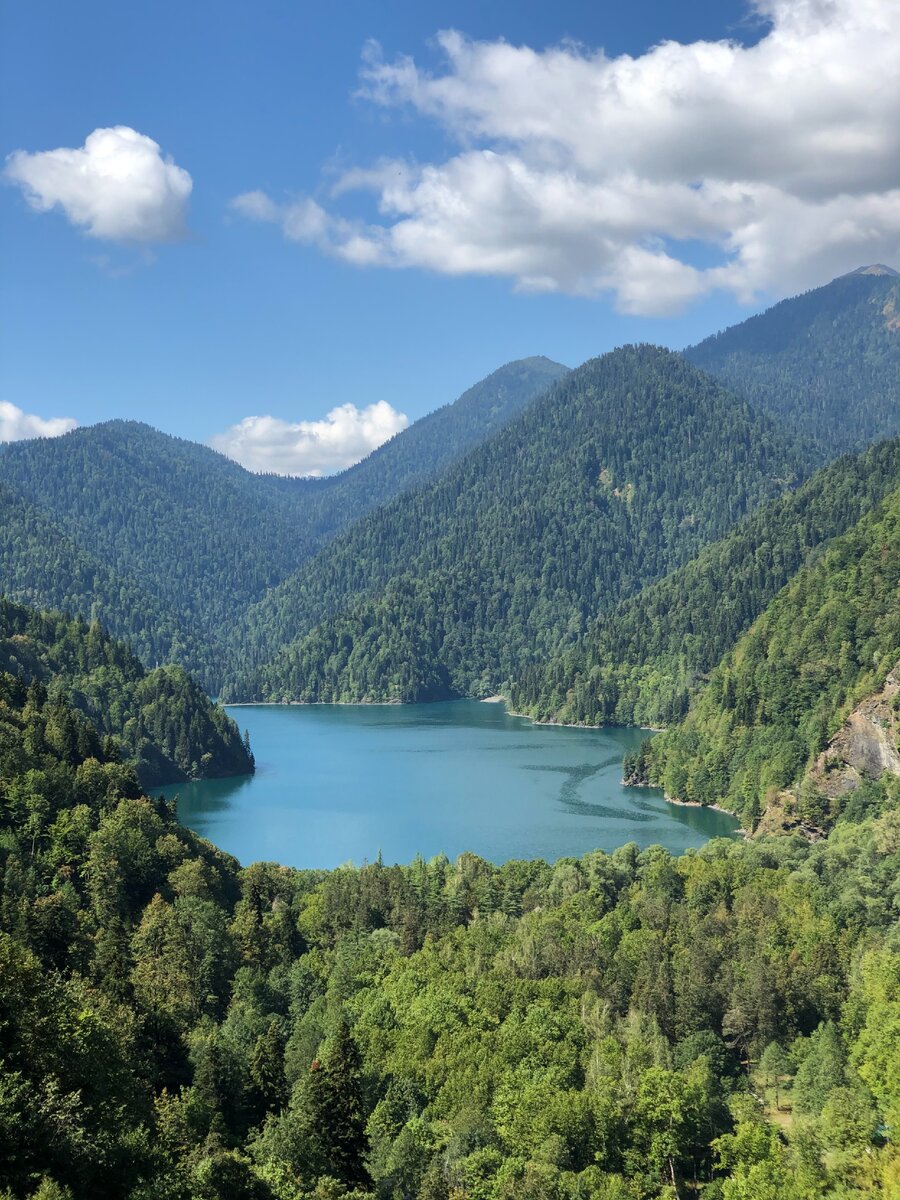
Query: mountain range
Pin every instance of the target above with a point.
(641, 539)
(592, 543)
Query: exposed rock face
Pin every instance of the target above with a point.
(782, 817)
(866, 745)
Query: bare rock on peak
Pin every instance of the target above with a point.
(874, 269)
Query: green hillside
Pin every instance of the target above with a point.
(827, 641)
(160, 721)
(621, 473)
(424, 449)
(167, 542)
(606, 1028)
(42, 566)
(640, 664)
(170, 517)
(826, 362)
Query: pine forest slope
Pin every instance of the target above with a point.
(424, 449)
(42, 566)
(169, 515)
(160, 720)
(152, 534)
(621, 473)
(640, 663)
(826, 362)
(827, 640)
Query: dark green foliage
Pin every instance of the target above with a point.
(621, 473)
(337, 1113)
(166, 542)
(641, 663)
(196, 532)
(826, 641)
(425, 449)
(42, 566)
(160, 720)
(827, 362)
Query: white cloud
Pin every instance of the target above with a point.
(346, 435)
(584, 173)
(16, 425)
(117, 186)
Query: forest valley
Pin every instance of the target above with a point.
(653, 538)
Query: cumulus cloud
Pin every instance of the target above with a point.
(16, 425)
(660, 177)
(346, 435)
(117, 187)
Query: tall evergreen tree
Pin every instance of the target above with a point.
(338, 1112)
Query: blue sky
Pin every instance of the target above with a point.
(236, 319)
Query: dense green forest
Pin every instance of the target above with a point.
(827, 641)
(42, 566)
(425, 449)
(641, 663)
(186, 526)
(826, 363)
(622, 472)
(195, 561)
(637, 545)
(632, 1026)
(160, 721)
(166, 541)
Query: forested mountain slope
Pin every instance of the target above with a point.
(826, 362)
(426, 448)
(640, 663)
(828, 640)
(622, 472)
(198, 533)
(166, 541)
(159, 720)
(42, 566)
(604, 1028)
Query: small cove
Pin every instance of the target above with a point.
(344, 782)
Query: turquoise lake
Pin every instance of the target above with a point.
(341, 783)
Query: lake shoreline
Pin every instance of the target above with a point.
(498, 699)
(339, 782)
(690, 803)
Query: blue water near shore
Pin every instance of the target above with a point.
(343, 783)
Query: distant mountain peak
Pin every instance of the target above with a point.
(874, 269)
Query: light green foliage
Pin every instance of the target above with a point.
(875, 1007)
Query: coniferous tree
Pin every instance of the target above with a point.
(338, 1114)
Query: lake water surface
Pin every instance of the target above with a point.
(341, 783)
